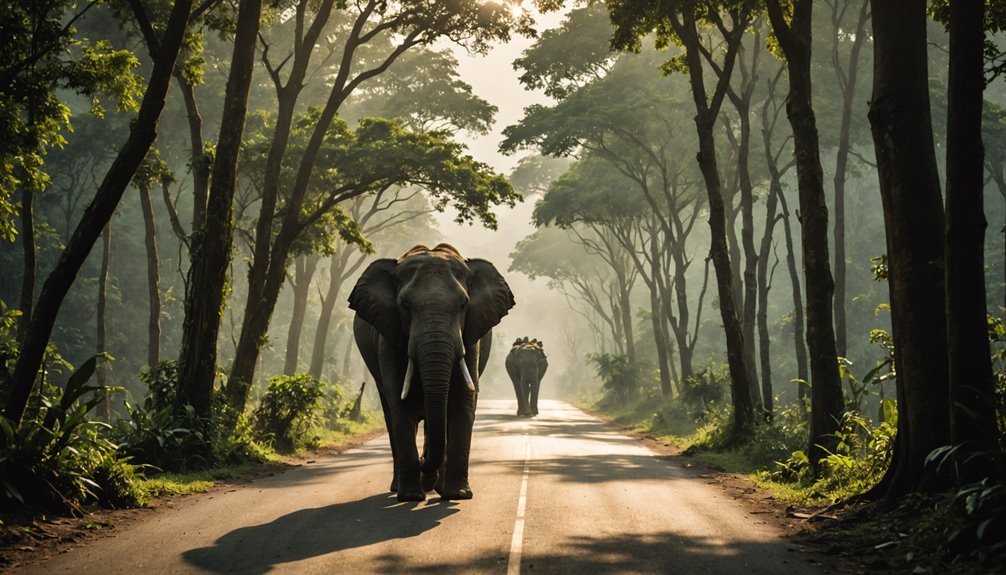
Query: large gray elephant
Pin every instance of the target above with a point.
(526, 364)
(424, 328)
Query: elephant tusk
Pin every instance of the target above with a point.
(467, 375)
(408, 379)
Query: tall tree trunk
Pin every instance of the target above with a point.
(705, 122)
(847, 82)
(102, 313)
(827, 404)
(153, 277)
(972, 387)
(800, 341)
(305, 266)
(914, 223)
(199, 160)
(29, 251)
(211, 247)
(764, 286)
(749, 318)
(657, 318)
(625, 315)
(99, 211)
(336, 268)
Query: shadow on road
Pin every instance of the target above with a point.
(311, 533)
(659, 552)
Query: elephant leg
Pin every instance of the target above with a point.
(391, 439)
(528, 395)
(428, 479)
(407, 456)
(518, 389)
(460, 421)
(535, 386)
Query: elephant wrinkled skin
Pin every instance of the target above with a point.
(424, 328)
(526, 364)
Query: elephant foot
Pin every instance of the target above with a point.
(394, 485)
(428, 480)
(455, 493)
(411, 496)
(534, 412)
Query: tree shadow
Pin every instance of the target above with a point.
(315, 532)
(660, 552)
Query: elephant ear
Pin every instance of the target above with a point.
(490, 299)
(374, 299)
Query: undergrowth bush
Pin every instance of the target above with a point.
(289, 412)
(858, 462)
(166, 438)
(58, 458)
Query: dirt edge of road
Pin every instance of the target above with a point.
(32, 541)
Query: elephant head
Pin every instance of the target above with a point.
(432, 305)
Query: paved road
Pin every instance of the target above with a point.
(557, 494)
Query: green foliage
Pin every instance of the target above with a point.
(980, 531)
(858, 462)
(164, 437)
(619, 377)
(43, 57)
(289, 411)
(59, 459)
(706, 387)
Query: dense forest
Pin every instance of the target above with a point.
(774, 227)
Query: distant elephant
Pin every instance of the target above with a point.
(424, 328)
(526, 364)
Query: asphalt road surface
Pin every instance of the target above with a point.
(560, 493)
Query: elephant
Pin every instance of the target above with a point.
(526, 364)
(424, 328)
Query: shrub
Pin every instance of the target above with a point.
(859, 461)
(59, 459)
(706, 387)
(288, 411)
(619, 377)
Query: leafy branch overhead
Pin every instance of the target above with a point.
(378, 154)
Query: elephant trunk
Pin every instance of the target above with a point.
(436, 361)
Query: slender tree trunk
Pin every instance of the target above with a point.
(827, 404)
(750, 255)
(29, 250)
(847, 81)
(211, 247)
(336, 269)
(972, 387)
(657, 319)
(99, 211)
(800, 341)
(102, 313)
(153, 277)
(914, 223)
(705, 123)
(305, 266)
(199, 161)
(764, 286)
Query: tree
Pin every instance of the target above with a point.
(618, 112)
(847, 78)
(399, 28)
(972, 386)
(211, 245)
(152, 172)
(97, 215)
(914, 223)
(827, 405)
(679, 23)
(35, 66)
